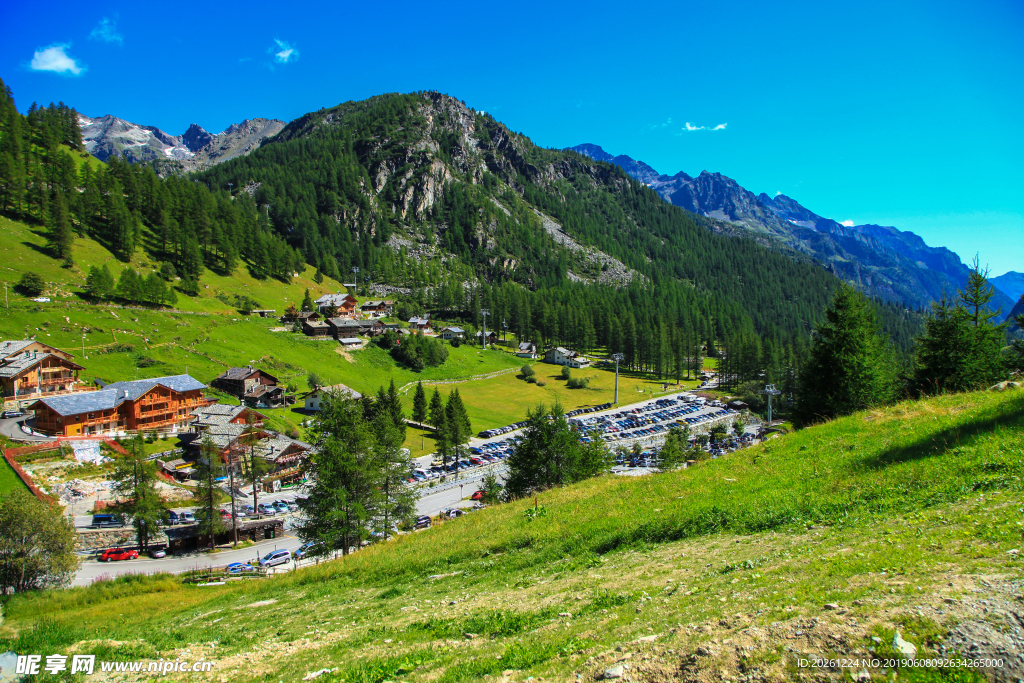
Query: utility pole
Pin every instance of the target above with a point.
(770, 390)
(617, 357)
(355, 279)
(231, 483)
(484, 312)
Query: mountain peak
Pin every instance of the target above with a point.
(195, 138)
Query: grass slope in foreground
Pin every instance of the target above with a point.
(812, 543)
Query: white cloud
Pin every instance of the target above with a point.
(283, 53)
(54, 59)
(848, 224)
(691, 127)
(106, 31)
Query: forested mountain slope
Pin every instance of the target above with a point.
(343, 183)
(453, 212)
(882, 261)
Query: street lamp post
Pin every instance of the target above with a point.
(484, 312)
(617, 357)
(355, 279)
(769, 391)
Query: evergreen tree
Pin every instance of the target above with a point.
(456, 424)
(961, 348)
(398, 501)
(343, 467)
(550, 454)
(208, 468)
(58, 235)
(307, 302)
(419, 404)
(100, 283)
(439, 421)
(851, 367)
(136, 493)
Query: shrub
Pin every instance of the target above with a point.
(566, 372)
(531, 379)
(578, 383)
(528, 371)
(31, 284)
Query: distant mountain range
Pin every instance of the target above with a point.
(1011, 284)
(885, 262)
(194, 149)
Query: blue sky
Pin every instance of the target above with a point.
(898, 113)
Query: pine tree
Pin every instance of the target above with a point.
(58, 234)
(851, 366)
(550, 454)
(419, 404)
(961, 348)
(307, 302)
(398, 501)
(136, 493)
(208, 469)
(344, 497)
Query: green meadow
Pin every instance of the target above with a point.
(817, 540)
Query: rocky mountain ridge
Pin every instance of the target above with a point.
(884, 261)
(1011, 284)
(194, 149)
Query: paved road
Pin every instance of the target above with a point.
(11, 428)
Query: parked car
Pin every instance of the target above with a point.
(116, 554)
(272, 559)
(305, 549)
(186, 518)
(292, 505)
(266, 509)
(239, 568)
(157, 553)
(225, 514)
(11, 413)
(281, 506)
(422, 522)
(479, 495)
(107, 520)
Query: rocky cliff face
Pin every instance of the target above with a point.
(196, 148)
(892, 264)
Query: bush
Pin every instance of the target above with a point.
(456, 342)
(566, 373)
(531, 379)
(31, 284)
(578, 383)
(528, 371)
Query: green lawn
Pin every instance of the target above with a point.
(9, 479)
(502, 400)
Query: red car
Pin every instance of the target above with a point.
(479, 495)
(115, 554)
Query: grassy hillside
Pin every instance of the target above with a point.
(25, 246)
(813, 542)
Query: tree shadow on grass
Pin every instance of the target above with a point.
(1009, 414)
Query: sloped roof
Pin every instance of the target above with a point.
(115, 394)
(238, 373)
(84, 402)
(138, 387)
(526, 346)
(334, 299)
(457, 330)
(8, 348)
